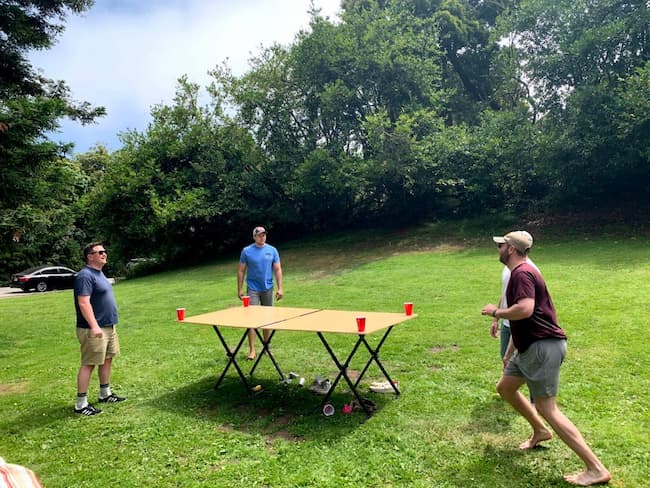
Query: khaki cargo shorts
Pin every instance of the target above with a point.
(95, 350)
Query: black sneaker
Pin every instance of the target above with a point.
(112, 398)
(88, 410)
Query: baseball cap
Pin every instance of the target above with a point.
(521, 240)
(258, 230)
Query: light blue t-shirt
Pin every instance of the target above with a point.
(92, 282)
(259, 263)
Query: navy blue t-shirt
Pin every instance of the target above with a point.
(92, 282)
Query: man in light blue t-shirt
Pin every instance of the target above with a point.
(259, 262)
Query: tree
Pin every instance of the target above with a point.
(566, 44)
(31, 107)
(178, 191)
(582, 58)
(27, 25)
(311, 107)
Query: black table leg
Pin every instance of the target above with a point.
(266, 350)
(343, 372)
(374, 356)
(232, 359)
(343, 368)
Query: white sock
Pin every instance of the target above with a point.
(82, 401)
(104, 391)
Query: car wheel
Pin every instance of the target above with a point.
(41, 286)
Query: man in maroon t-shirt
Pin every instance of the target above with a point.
(536, 351)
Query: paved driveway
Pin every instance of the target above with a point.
(6, 292)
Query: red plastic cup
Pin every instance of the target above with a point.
(180, 313)
(361, 324)
(408, 308)
(246, 300)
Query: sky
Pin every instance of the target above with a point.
(127, 55)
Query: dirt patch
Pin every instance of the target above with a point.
(439, 349)
(328, 261)
(14, 388)
(353, 374)
(280, 421)
(226, 428)
(284, 435)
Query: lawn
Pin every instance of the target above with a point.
(448, 428)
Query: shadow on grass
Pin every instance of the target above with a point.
(492, 416)
(499, 466)
(282, 411)
(38, 416)
(503, 468)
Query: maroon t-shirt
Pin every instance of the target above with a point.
(527, 282)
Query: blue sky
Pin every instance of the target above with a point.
(126, 55)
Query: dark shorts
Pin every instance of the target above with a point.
(539, 366)
(505, 339)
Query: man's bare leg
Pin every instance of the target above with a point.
(104, 371)
(508, 388)
(251, 344)
(595, 472)
(83, 377)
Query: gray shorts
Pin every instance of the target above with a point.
(540, 366)
(261, 297)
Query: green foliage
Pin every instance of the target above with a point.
(39, 188)
(600, 152)
(568, 44)
(174, 191)
(29, 25)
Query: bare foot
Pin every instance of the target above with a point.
(251, 356)
(589, 477)
(536, 438)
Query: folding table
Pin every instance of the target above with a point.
(252, 317)
(306, 320)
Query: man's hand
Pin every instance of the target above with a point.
(488, 309)
(494, 328)
(506, 360)
(279, 294)
(97, 331)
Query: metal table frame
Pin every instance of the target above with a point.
(304, 320)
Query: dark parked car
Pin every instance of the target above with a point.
(43, 278)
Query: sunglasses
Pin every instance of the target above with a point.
(98, 252)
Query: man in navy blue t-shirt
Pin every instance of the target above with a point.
(96, 312)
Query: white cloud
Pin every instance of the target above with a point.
(127, 57)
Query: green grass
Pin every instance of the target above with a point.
(447, 429)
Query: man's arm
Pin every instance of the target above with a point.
(523, 309)
(494, 326)
(241, 271)
(88, 313)
(277, 269)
